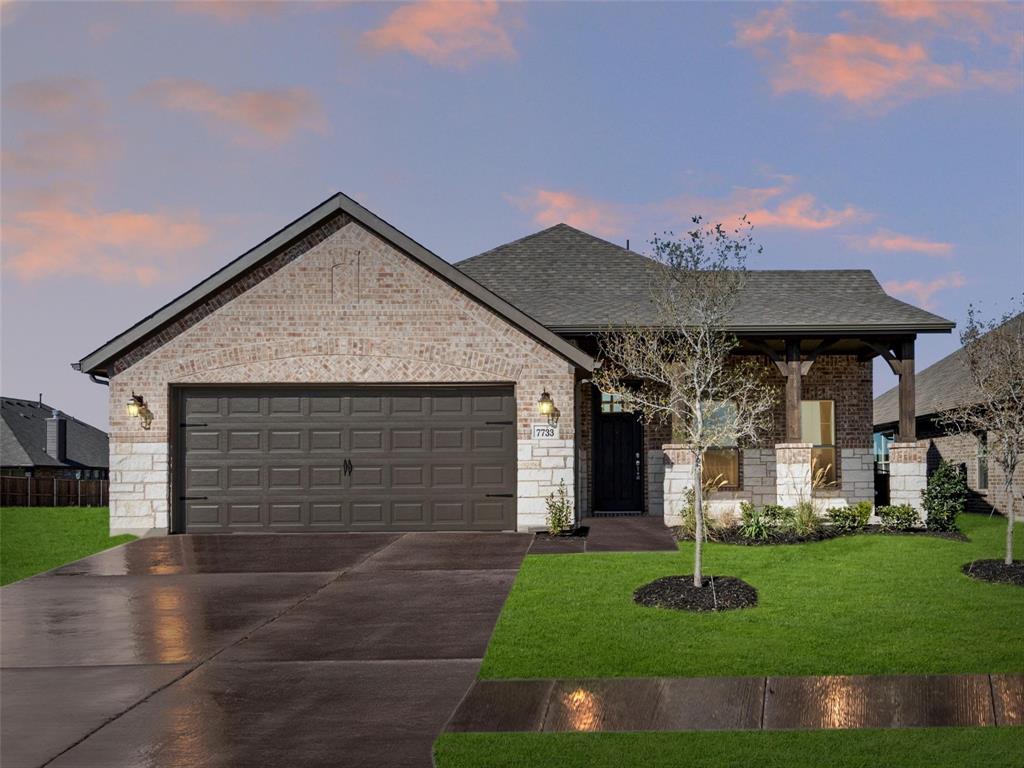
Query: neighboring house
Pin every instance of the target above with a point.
(340, 376)
(37, 440)
(944, 385)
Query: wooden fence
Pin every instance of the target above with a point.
(53, 492)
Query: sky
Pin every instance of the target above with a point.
(146, 144)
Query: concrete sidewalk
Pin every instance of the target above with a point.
(741, 703)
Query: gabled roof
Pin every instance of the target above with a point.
(572, 281)
(23, 437)
(96, 362)
(939, 387)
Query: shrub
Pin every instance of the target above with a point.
(899, 518)
(559, 516)
(754, 523)
(805, 520)
(778, 516)
(688, 528)
(852, 518)
(945, 497)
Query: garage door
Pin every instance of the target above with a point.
(346, 459)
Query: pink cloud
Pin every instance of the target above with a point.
(923, 292)
(775, 207)
(53, 96)
(261, 117)
(549, 207)
(884, 240)
(66, 130)
(870, 69)
(446, 33)
(119, 246)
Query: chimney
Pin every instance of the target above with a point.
(57, 436)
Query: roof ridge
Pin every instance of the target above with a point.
(517, 241)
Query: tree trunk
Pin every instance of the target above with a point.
(698, 516)
(1009, 520)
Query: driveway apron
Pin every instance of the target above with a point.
(234, 650)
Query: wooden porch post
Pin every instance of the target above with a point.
(793, 393)
(908, 409)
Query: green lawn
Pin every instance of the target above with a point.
(866, 604)
(910, 748)
(36, 539)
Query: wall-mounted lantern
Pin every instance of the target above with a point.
(137, 409)
(546, 407)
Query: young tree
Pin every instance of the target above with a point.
(994, 354)
(681, 369)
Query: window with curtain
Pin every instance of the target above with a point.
(721, 464)
(818, 427)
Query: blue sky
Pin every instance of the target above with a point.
(146, 144)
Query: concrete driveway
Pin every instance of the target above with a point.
(235, 650)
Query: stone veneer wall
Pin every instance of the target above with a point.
(678, 479)
(792, 473)
(345, 307)
(908, 475)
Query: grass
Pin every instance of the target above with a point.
(910, 748)
(36, 539)
(865, 604)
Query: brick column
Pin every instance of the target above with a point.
(678, 474)
(908, 475)
(792, 473)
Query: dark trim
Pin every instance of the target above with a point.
(97, 361)
(775, 331)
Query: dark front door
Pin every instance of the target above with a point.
(618, 469)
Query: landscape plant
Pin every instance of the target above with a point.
(681, 369)
(559, 516)
(851, 518)
(993, 351)
(945, 497)
(898, 518)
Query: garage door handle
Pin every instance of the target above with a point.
(193, 498)
(498, 495)
(347, 467)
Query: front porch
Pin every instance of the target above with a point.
(820, 447)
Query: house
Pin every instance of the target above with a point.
(941, 386)
(340, 376)
(37, 440)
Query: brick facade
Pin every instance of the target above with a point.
(340, 306)
(962, 449)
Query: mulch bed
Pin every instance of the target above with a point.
(576, 533)
(732, 535)
(996, 571)
(717, 593)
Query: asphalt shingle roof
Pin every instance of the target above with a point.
(939, 387)
(23, 438)
(570, 280)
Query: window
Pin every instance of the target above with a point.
(611, 403)
(721, 468)
(721, 465)
(982, 461)
(818, 427)
(882, 442)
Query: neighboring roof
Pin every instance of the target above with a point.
(574, 282)
(96, 362)
(23, 437)
(939, 387)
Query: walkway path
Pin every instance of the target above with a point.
(741, 703)
(612, 534)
